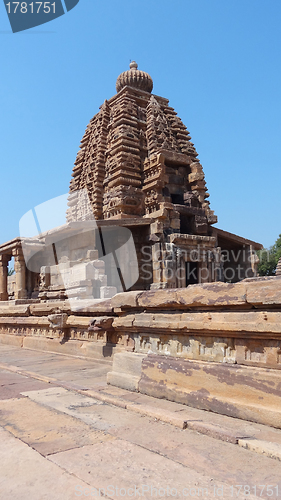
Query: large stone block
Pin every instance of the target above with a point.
(46, 308)
(14, 311)
(126, 370)
(213, 295)
(125, 300)
(25, 321)
(90, 306)
(158, 298)
(264, 291)
(242, 392)
(208, 294)
(232, 323)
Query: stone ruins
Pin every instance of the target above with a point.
(138, 272)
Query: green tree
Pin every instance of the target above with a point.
(269, 259)
(11, 272)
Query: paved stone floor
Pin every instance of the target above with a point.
(65, 434)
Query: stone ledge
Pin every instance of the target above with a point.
(271, 450)
(227, 322)
(245, 294)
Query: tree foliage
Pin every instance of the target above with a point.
(11, 272)
(269, 259)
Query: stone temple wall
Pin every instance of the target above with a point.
(215, 346)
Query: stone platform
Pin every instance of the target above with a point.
(215, 346)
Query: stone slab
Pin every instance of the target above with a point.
(218, 459)
(26, 475)
(209, 294)
(264, 292)
(71, 403)
(134, 467)
(224, 323)
(47, 431)
(12, 384)
(14, 310)
(46, 308)
(125, 300)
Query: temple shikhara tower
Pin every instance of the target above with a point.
(139, 166)
(137, 159)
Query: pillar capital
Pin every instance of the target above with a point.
(17, 254)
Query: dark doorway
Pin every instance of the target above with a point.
(191, 270)
(177, 199)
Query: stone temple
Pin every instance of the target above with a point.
(137, 272)
(139, 166)
(140, 171)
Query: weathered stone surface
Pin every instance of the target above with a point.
(126, 370)
(16, 340)
(51, 482)
(211, 294)
(12, 384)
(134, 465)
(125, 300)
(100, 323)
(47, 431)
(73, 347)
(247, 393)
(78, 321)
(271, 450)
(24, 321)
(263, 292)
(208, 322)
(58, 321)
(101, 306)
(124, 321)
(45, 308)
(14, 311)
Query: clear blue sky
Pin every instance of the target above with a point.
(217, 61)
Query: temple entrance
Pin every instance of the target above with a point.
(191, 273)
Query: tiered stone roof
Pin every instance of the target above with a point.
(136, 156)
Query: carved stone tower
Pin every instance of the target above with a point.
(137, 163)
(137, 157)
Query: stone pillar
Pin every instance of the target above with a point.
(20, 292)
(278, 269)
(156, 251)
(203, 272)
(4, 259)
